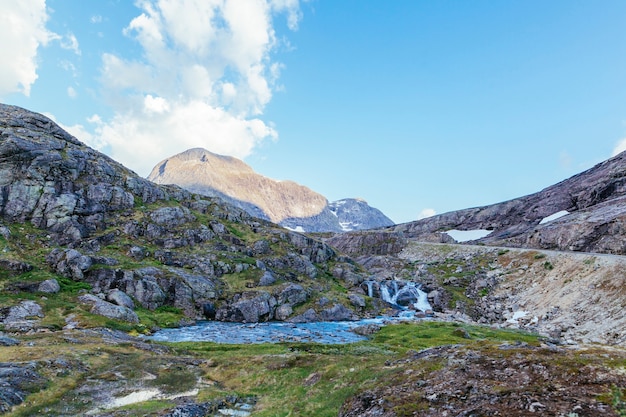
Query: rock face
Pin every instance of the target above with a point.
(82, 221)
(283, 202)
(593, 205)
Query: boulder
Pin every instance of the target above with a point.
(251, 308)
(106, 309)
(338, 312)
(267, 279)
(283, 312)
(120, 298)
(23, 317)
(357, 300)
(308, 316)
(49, 286)
(293, 294)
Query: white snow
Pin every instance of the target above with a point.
(347, 226)
(467, 235)
(554, 216)
(519, 314)
(298, 229)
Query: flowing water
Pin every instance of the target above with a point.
(406, 296)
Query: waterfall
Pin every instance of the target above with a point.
(410, 290)
(370, 288)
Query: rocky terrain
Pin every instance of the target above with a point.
(594, 202)
(283, 202)
(74, 219)
(93, 258)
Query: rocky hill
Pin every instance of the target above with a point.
(586, 212)
(283, 202)
(73, 219)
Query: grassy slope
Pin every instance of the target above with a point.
(286, 379)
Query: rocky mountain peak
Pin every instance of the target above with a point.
(283, 202)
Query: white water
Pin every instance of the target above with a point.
(392, 294)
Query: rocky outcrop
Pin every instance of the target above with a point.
(16, 381)
(283, 202)
(125, 241)
(593, 205)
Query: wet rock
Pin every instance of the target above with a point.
(367, 329)
(338, 312)
(252, 308)
(307, 317)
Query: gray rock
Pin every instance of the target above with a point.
(283, 312)
(8, 341)
(252, 308)
(16, 382)
(120, 298)
(338, 312)
(50, 286)
(293, 294)
(267, 279)
(23, 317)
(106, 309)
(367, 329)
(308, 316)
(357, 300)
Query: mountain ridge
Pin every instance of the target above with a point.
(592, 204)
(283, 202)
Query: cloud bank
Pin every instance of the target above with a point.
(204, 77)
(22, 32)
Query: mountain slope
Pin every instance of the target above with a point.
(591, 206)
(73, 219)
(283, 202)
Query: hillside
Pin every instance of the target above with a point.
(73, 217)
(592, 206)
(283, 202)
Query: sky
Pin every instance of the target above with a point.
(419, 107)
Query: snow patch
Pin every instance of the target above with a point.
(298, 229)
(554, 216)
(467, 235)
(514, 319)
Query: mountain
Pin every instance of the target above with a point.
(282, 202)
(93, 258)
(586, 212)
(76, 219)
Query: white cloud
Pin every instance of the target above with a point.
(427, 212)
(96, 19)
(619, 147)
(141, 141)
(71, 92)
(205, 76)
(22, 32)
(70, 42)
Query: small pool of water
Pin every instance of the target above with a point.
(337, 332)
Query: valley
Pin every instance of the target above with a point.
(94, 259)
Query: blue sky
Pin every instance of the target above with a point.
(416, 106)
